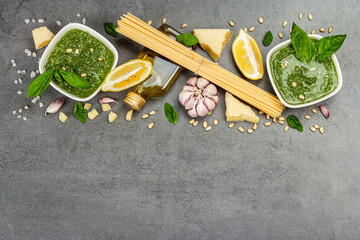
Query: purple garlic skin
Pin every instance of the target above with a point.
(198, 97)
(55, 106)
(107, 100)
(324, 111)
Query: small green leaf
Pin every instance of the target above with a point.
(302, 43)
(188, 39)
(170, 113)
(327, 46)
(294, 122)
(80, 112)
(39, 84)
(74, 79)
(268, 39)
(110, 29)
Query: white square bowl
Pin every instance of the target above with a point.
(52, 44)
(337, 67)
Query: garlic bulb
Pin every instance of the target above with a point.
(199, 97)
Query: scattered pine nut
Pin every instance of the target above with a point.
(285, 23)
(231, 125)
(205, 124)
(314, 110)
(241, 129)
(326, 76)
(208, 128)
(313, 31)
(184, 25)
(192, 121)
(83, 75)
(149, 22)
(150, 126)
(145, 116)
(302, 97)
(267, 116)
(322, 29)
(267, 124)
(261, 112)
(152, 113)
(281, 122)
(317, 126)
(330, 29)
(300, 16)
(293, 84)
(281, 118)
(254, 126)
(310, 16)
(77, 51)
(281, 35)
(307, 117)
(290, 29)
(312, 129)
(250, 131)
(129, 115)
(68, 50)
(196, 123)
(286, 128)
(216, 122)
(63, 68)
(164, 20)
(245, 29)
(100, 59)
(251, 29)
(209, 113)
(261, 20)
(322, 130)
(231, 23)
(274, 120)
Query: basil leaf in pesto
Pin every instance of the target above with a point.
(326, 46)
(57, 76)
(110, 29)
(74, 79)
(302, 43)
(294, 122)
(39, 84)
(170, 113)
(188, 39)
(80, 112)
(268, 39)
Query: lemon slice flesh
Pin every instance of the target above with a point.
(247, 55)
(127, 75)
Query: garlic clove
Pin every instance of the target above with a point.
(210, 89)
(201, 109)
(55, 106)
(209, 103)
(192, 81)
(107, 100)
(192, 113)
(191, 103)
(202, 83)
(184, 97)
(189, 88)
(214, 98)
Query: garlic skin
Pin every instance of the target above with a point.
(55, 106)
(198, 97)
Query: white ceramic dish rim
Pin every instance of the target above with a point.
(57, 37)
(337, 66)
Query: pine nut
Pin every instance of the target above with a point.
(208, 128)
(129, 115)
(310, 16)
(209, 113)
(307, 117)
(293, 84)
(286, 128)
(261, 20)
(290, 30)
(261, 112)
(231, 23)
(231, 125)
(330, 29)
(216, 122)
(83, 74)
(184, 25)
(145, 116)
(196, 123)
(150, 125)
(322, 29)
(281, 35)
(241, 129)
(245, 29)
(251, 29)
(205, 124)
(267, 124)
(152, 113)
(100, 59)
(317, 126)
(281, 118)
(302, 97)
(250, 131)
(281, 122)
(267, 116)
(164, 20)
(312, 129)
(192, 121)
(274, 120)
(314, 110)
(254, 126)
(322, 130)
(285, 23)
(149, 22)
(77, 51)
(69, 50)
(300, 16)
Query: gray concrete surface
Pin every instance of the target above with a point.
(123, 181)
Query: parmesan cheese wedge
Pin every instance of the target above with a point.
(105, 107)
(87, 106)
(237, 111)
(42, 37)
(213, 41)
(112, 117)
(62, 117)
(93, 114)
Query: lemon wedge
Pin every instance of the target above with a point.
(127, 75)
(247, 56)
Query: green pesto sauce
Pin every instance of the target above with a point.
(87, 61)
(313, 81)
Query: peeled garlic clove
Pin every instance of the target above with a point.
(192, 113)
(55, 106)
(210, 89)
(210, 104)
(202, 83)
(324, 111)
(191, 103)
(201, 109)
(192, 81)
(184, 97)
(189, 88)
(107, 100)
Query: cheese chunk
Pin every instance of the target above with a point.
(87, 106)
(42, 37)
(213, 41)
(93, 114)
(237, 111)
(62, 117)
(105, 107)
(112, 117)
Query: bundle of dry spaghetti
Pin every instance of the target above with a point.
(143, 33)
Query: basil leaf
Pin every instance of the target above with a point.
(268, 39)
(74, 79)
(294, 122)
(170, 113)
(302, 43)
(57, 76)
(188, 39)
(110, 29)
(80, 112)
(39, 84)
(326, 46)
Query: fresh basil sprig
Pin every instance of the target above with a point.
(39, 84)
(294, 122)
(80, 112)
(302, 43)
(170, 113)
(110, 29)
(326, 46)
(268, 38)
(188, 39)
